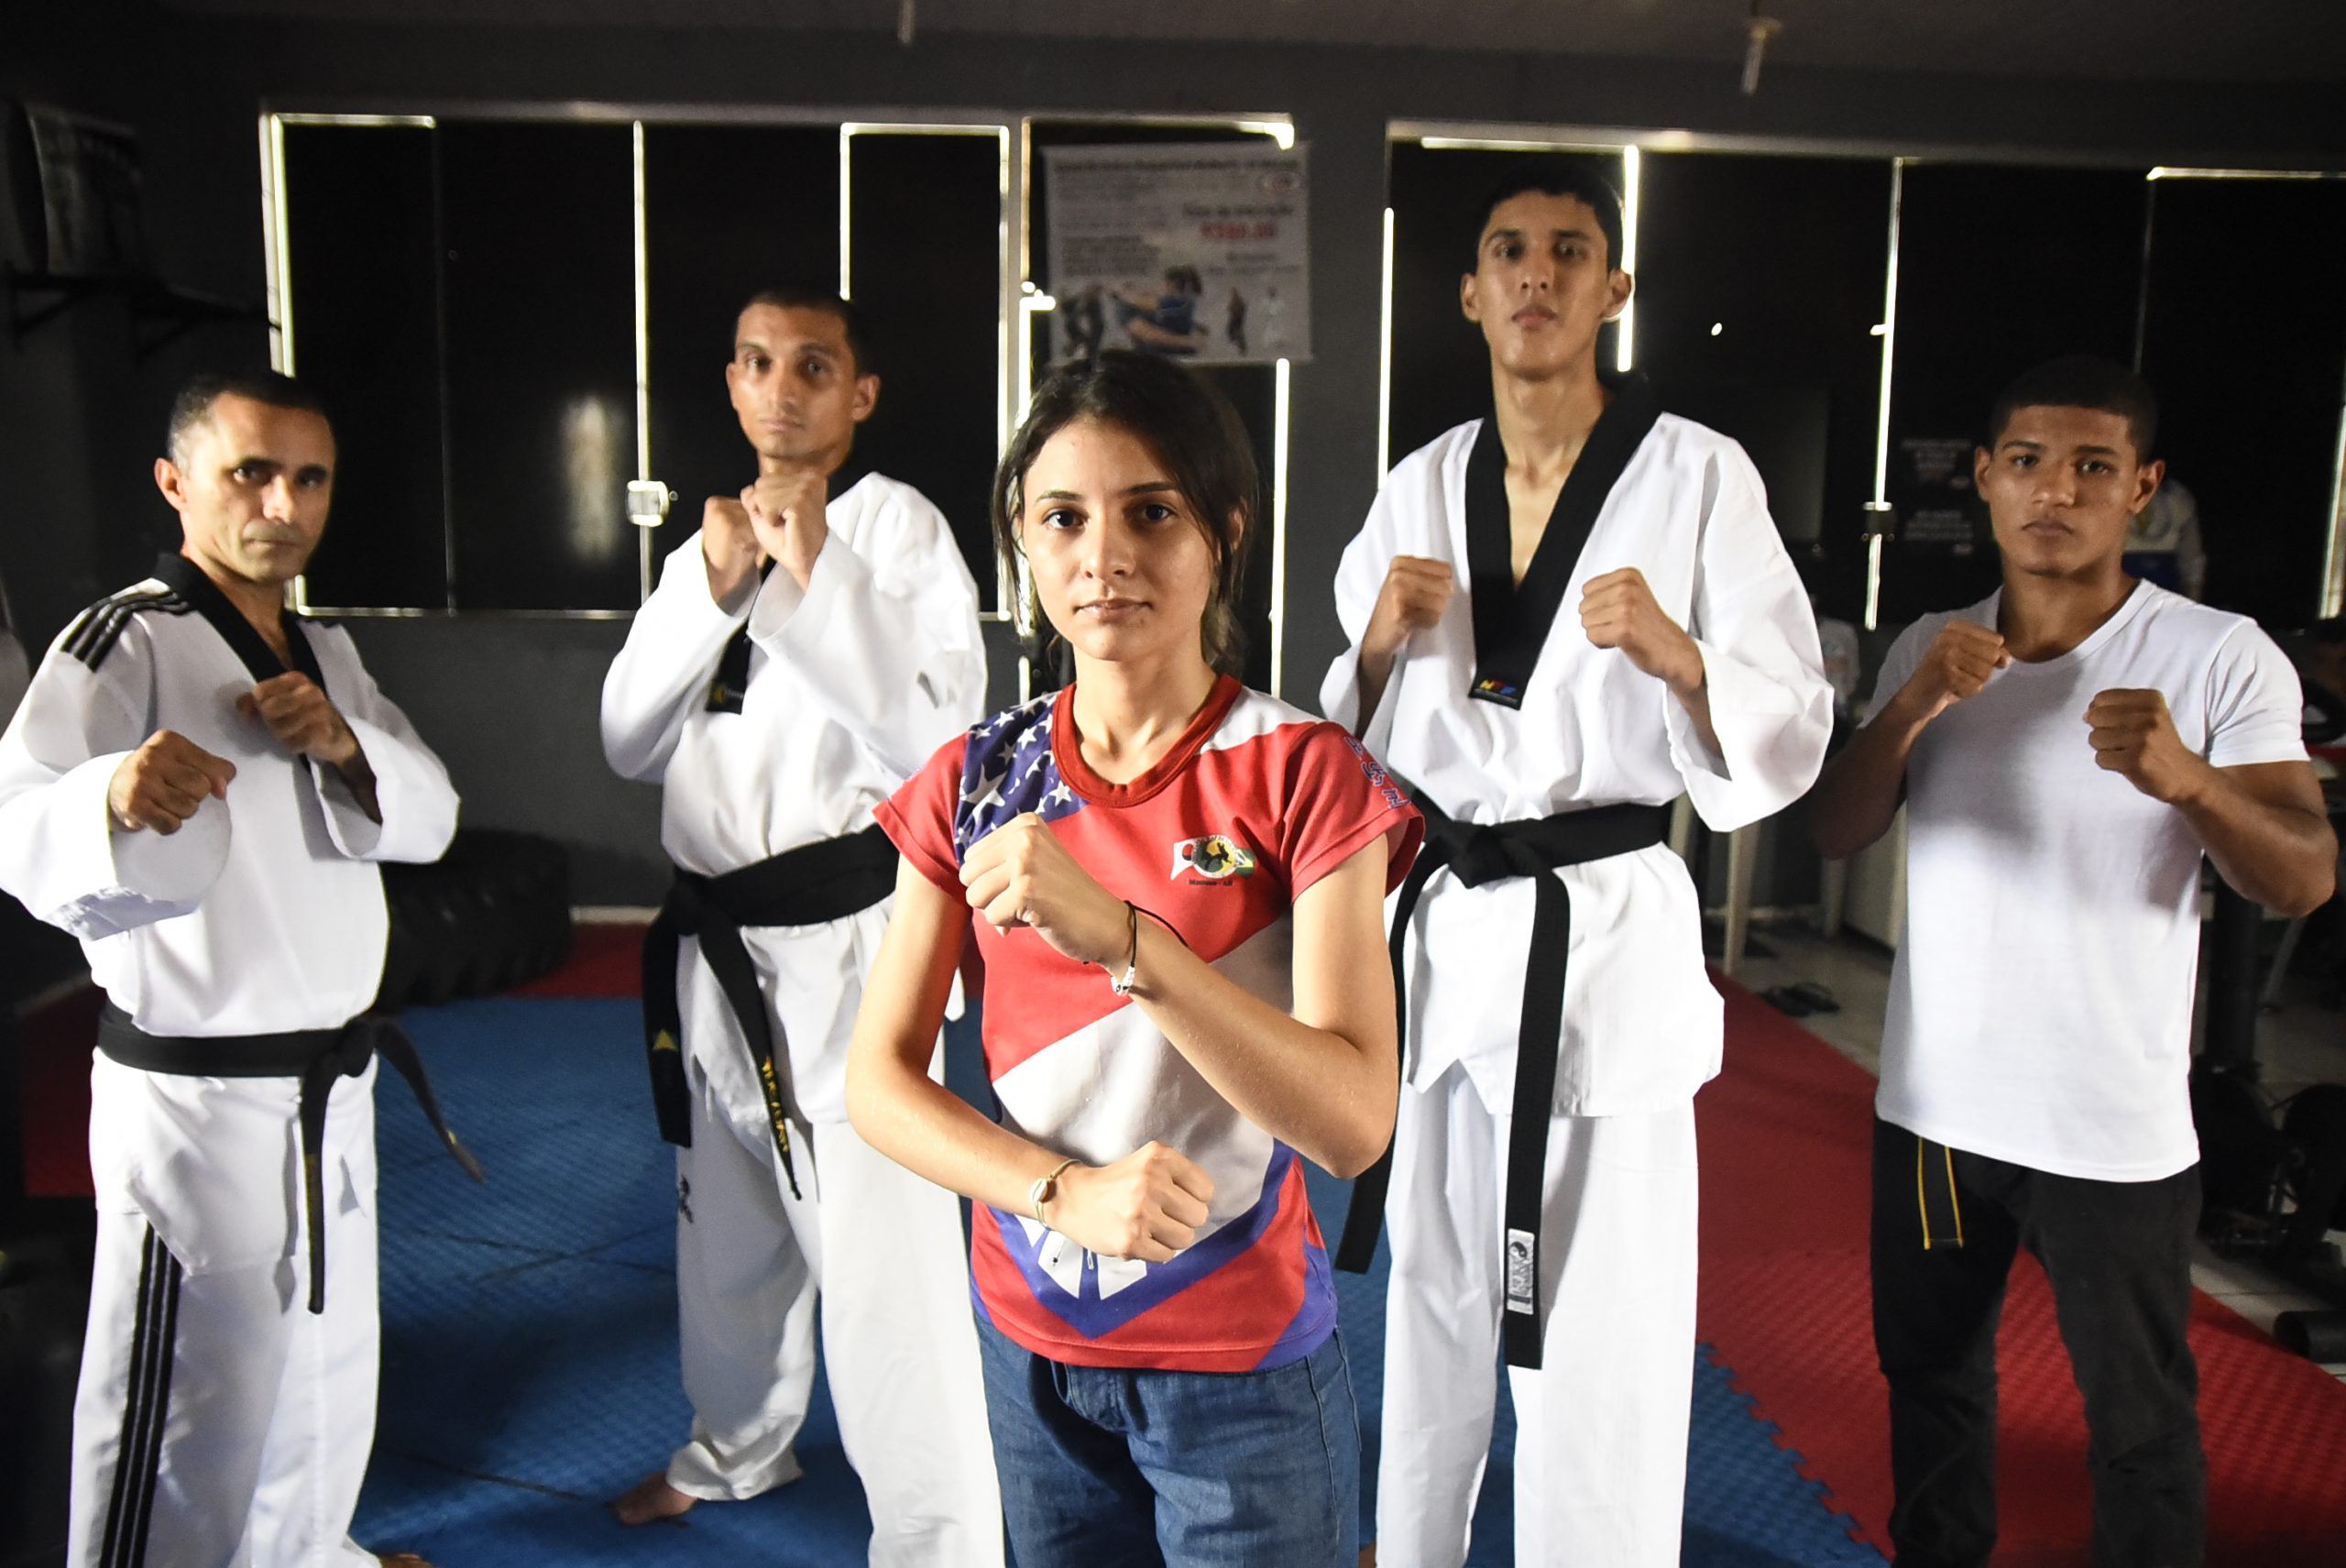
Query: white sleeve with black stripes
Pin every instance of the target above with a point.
(90, 705)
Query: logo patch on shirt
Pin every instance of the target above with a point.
(1491, 688)
(1215, 858)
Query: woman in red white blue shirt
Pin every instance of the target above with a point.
(1177, 886)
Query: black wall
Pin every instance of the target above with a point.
(80, 417)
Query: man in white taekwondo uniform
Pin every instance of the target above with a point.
(1625, 626)
(199, 786)
(776, 711)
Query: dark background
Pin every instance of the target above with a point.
(1781, 251)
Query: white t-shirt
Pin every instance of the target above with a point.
(2040, 1008)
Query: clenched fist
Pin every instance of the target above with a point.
(1618, 610)
(1417, 591)
(2133, 735)
(304, 719)
(729, 546)
(1147, 1205)
(1955, 666)
(1021, 874)
(786, 512)
(161, 785)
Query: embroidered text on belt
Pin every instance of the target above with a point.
(810, 885)
(1477, 855)
(316, 1056)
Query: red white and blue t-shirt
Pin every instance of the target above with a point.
(1254, 803)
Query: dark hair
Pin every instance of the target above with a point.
(2082, 381)
(1193, 430)
(1185, 278)
(1558, 177)
(814, 297)
(193, 405)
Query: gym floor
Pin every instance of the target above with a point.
(2299, 1043)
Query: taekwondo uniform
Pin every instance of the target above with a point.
(1545, 1196)
(774, 725)
(226, 1405)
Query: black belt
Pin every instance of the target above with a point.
(1477, 855)
(316, 1056)
(810, 885)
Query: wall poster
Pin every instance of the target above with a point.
(1197, 252)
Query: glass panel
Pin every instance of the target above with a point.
(2244, 340)
(363, 247)
(729, 210)
(1999, 269)
(1758, 286)
(539, 222)
(925, 250)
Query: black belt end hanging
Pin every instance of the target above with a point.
(664, 1032)
(1477, 856)
(1537, 1044)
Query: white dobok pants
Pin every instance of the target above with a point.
(219, 1423)
(885, 1249)
(1600, 1451)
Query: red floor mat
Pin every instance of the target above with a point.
(53, 1076)
(605, 960)
(1785, 1134)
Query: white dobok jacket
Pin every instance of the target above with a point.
(261, 913)
(1641, 1024)
(851, 683)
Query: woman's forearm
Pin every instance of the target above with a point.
(938, 1135)
(1326, 1089)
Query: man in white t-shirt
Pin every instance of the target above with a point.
(2035, 1055)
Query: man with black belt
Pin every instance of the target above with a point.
(1561, 617)
(199, 786)
(2067, 750)
(801, 657)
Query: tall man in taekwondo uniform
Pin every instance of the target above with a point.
(799, 660)
(1561, 617)
(199, 786)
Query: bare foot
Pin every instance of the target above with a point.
(1368, 1555)
(402, 1560)
(652, 1498)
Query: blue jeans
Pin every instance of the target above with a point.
(1108, 1468)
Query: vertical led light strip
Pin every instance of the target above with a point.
(1007, 309)
(1009, 316)
(1625, 345)
(1023, 350)
(279, 277)
(1278, 527)
(1881, 418)
(1023, 383)
(2333, 562)
(643, 362)
(2142, 287)
(1385, 356)
(846, 207)
(275, 236)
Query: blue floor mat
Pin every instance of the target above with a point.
(530, 1360)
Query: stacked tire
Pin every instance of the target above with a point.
(491, 915)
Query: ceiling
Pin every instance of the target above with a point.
(2247, 40)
